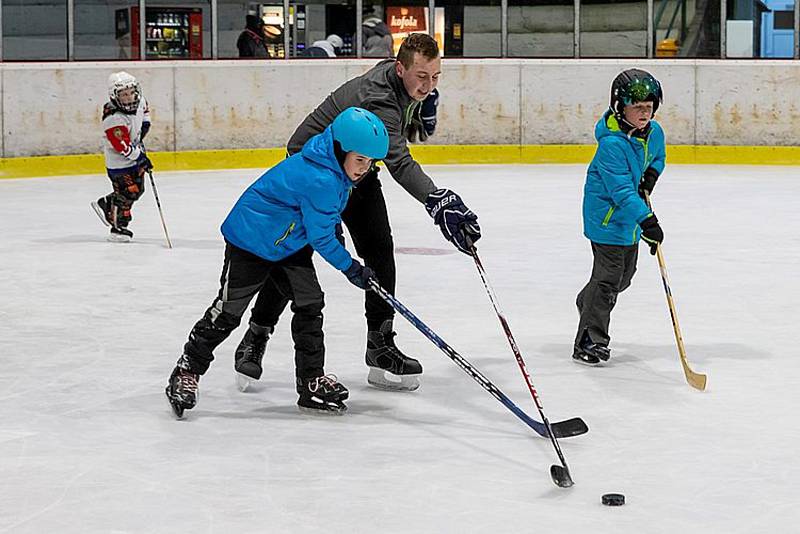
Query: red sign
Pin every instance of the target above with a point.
(406, 19)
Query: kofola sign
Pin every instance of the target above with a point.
(406, 19)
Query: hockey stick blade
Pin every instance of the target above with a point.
(569, 428)
(561, 429)
(561, 476)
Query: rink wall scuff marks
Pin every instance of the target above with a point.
(240, 113)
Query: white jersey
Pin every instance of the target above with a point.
(122, 135)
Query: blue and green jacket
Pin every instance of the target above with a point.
(296, 203)
(612, 207)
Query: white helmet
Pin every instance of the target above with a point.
(335, 40)
(120, 81)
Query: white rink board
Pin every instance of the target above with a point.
(90, 330)
(257, 104)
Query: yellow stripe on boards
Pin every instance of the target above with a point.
(263, 158)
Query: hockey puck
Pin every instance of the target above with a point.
(613, 499)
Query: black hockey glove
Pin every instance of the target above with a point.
(428, 112)
(339, 233)
(457, 222)
(359, 275)
(652, 232)
(648, 182)
(144, 163)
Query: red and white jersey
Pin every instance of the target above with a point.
(122, 135)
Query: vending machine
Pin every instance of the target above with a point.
(170, 33)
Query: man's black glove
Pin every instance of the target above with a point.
(423, 119)
(339, 231)
(428, 112)
(457, 222)
(652, 232)
(648, 182)
(359, 275)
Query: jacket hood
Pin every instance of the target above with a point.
(607, 125)
(319, 149)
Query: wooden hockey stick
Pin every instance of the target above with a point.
(696, 380)
(160, 213)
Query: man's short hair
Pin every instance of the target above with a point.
(420, 43)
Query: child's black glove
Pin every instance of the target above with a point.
(648, 182)
(359, 275)
(652, 232)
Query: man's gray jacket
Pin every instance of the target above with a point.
(381, 91)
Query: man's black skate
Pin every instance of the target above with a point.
(249, 353)
(120, 235)
(589, 353)
(182, 388)
(322, 394)
(384, 357)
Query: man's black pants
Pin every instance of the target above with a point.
(368, 222)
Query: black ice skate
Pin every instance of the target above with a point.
(120, 235)
(590, 353)
(389, 368)
(249, 353)
(182, 388)
(103, 210)
(323, 395)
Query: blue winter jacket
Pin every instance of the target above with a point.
(296, 203)
(612, 207)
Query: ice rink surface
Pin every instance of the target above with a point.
(90, 330)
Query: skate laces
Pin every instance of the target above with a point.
(187, 381)
(327, 382)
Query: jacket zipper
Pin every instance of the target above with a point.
(608, 216)
(285, 235)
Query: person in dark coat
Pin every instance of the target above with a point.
(251, 40)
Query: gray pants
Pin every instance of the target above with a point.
(612, 271)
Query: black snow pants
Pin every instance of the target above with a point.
(245, 274)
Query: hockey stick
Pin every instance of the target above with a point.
(561, 429)
(696, 380)
(560, 473)
(158, 203)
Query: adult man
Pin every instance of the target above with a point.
(394, 90)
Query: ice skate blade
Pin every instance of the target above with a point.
(99, 211)
(324, 411)
(587, 364)
(243, 382)
(382, 379)
(118, 238)
(177, 409)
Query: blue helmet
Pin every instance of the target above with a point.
(359, 130)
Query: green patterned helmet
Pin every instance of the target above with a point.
(632, 86)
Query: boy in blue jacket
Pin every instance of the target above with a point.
(630, 157)
(273, 230)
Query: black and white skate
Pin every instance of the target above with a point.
(322, 395)
(591, 354)
(389, 368)
(249, 353)
(181, 390)
(120, 235)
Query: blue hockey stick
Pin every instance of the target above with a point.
(561, 429)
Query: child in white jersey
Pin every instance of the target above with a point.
(126, 121)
